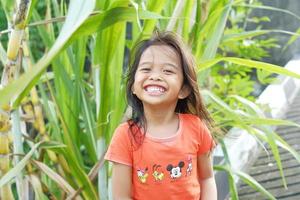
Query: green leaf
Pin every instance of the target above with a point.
(254, 184)
(268, 8)
(271, 137)
(251, 107)
(292, 39)
(74, 27)
(246, 179)
(215, 38)
(3, 55)
(52, 145)
(8, 7)
(250, 34)
(275, 151)
(287, 147)
(187, 12)
(37, 186)
(225, 152)
(280, 142)
(232, 185)
(18, 167)
(78, 12)
(63, 184)
(249, 63)
(156, 7)
(103, 20)
(268, 121)
(30, 10)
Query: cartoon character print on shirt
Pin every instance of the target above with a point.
(175, 171)
(157, 172)
(189, 166)
(142, 174)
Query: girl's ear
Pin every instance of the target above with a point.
(184, 92)
(132, 90)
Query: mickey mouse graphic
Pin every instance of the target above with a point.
(175, 171)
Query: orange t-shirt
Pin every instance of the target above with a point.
(163, 168)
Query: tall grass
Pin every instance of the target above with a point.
(72, 98)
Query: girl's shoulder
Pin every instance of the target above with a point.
(123, 125)
(122, 128)
(192, 120)
(121, 134)
(125, 128)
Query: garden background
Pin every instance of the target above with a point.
(62, 66)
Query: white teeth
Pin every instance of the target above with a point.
(155, 89)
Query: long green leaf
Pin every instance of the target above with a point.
(292, 39)
(103, 20)
(78, 12)
(275, 151)
(3, 56)
(268, 121)
(232, 185)
(286, 146)
(89, 126)
(75, 27)
(246, 179)
(8, 7)
(250, 106)
(280, 142)
(63, 184)
(18, 167)
(215, 38)
(74, 157)
(254, 184)
(153, 6)
(249, 34)
(269, 8)
(30, 10)
(37, 187)
(187, 17)
(270, 137)
(249, 63)
(225, 152)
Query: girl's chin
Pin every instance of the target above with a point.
(158, 104)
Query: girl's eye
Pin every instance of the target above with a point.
(145, 69)
(167, 71)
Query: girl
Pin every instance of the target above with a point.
(163, 151)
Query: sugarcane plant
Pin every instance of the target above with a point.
(61, 108)
(10, 72)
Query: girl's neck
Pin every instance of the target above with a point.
(159, 116)
(161, 123)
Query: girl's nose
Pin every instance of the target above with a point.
(155, 76)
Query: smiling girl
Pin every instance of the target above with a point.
(163, 151)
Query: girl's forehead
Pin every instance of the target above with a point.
(160, 53)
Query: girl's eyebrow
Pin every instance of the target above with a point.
(166, 63)
(145, 63)
(172, 65)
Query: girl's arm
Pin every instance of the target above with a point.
(121, 181)
(206, 177)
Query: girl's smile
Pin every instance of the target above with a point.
(155, 90)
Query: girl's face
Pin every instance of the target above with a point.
(159, 77)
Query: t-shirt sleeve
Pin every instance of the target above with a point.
(206, 142)
(120, 150)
